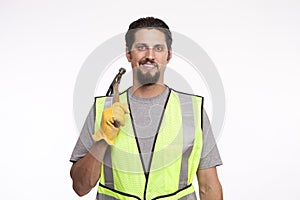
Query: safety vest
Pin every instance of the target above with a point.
(174, 158)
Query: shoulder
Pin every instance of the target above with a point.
(101, 98)
(185, 94)
(109, 97)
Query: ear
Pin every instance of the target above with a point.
(169, 55)
(128, 55)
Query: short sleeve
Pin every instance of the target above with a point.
(210, 156)
(85, 140)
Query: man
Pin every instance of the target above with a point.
(164, 134)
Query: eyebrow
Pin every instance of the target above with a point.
(145, 44)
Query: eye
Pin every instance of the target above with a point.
(141, 47)
(159, 48)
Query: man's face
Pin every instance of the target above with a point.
(149, 56)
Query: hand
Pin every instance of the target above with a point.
(114, 114)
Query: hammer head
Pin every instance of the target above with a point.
(122, 71)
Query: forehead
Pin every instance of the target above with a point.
(149, 36)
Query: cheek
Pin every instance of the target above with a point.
(135, 59)
(163, 59)
(136, 56)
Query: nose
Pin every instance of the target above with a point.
(150, 54)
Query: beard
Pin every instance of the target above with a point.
(147, 78)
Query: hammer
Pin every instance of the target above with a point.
(114, 89)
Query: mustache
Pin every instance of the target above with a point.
(148, 61)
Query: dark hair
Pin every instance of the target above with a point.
(148, 23)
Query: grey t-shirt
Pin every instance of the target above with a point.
(146, 113)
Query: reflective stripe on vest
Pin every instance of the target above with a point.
(175, 154)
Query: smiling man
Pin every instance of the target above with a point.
(164, 141)
(149, 56)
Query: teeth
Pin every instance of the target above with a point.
(148, 66)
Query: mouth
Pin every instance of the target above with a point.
(148, 66)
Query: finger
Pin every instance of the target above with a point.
(124, 107)
(116, 124)
(120, 119)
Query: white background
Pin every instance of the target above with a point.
(254, 44)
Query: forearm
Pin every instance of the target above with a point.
(85, 173)
(213, 192)
(209, 185)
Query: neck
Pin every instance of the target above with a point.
(148, 91)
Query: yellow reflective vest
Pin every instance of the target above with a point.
(174, 159)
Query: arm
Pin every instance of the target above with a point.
(209, 185)
(85, 173)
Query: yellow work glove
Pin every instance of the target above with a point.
(114, 113)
